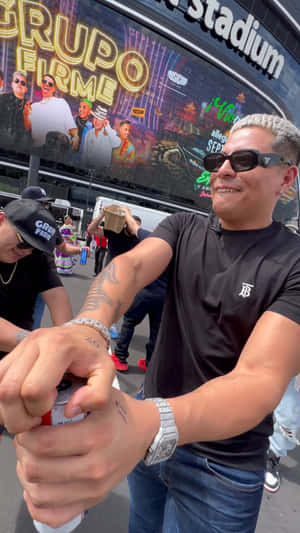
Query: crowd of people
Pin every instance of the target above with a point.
(200, 431)
(48, 126)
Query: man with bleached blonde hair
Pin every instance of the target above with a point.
(227, 348)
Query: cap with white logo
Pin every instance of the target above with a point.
(35, 224)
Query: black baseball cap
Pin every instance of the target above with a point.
(35, 224)
(35, 193)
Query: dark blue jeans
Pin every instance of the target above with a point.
(191, 494)
(145, 303)
(38, 311)
(99, 259)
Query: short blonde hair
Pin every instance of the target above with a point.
(287, 135)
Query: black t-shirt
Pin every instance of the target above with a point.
(159, 285)
(34, 274)
(12, 129)
(119, 243)
(221, 282)
(58, 237)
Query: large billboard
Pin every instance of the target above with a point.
(91, 88)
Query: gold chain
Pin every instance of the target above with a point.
(10, 277)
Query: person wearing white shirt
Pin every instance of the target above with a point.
(100, 141)
(50, 114)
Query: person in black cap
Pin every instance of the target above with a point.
(27, 241)
(39, 194)
(34, 192)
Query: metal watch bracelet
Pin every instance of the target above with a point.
(90, 322)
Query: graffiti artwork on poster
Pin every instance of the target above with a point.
(202, 185)
(225, 110)
(91, 89)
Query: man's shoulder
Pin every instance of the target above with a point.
(188, 218)
(289, 240)
(183, 226)
(7, 99)
(63, 103)
(6, 96)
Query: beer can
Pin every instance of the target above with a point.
(55, 417)
(83, 256)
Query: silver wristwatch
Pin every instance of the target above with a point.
(165, 441)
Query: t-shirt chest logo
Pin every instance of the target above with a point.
(246, 289)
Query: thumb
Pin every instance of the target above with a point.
(96, 394)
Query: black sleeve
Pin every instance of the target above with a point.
(49, 279)
(170, 228)
(288, 301)
(58, 238)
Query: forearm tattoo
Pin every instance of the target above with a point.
(97, 293)
(21, 335)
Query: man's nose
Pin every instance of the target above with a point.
(226, 169)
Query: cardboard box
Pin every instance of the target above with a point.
(114, 219)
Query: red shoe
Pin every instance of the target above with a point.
(142, 364)
(121, 367)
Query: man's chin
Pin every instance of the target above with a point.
(8, 260)
(223, 211)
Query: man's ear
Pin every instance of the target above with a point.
(289, 178)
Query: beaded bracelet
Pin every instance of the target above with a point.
(95, 324)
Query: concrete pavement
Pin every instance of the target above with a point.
(280, 513)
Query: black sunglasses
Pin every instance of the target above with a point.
(23, 245)
(22, 82)
(243, 160)
(46, 82)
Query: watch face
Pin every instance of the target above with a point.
(165, 441)
(164, 450)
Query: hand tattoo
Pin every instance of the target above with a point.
(93, 342)
(122, 412)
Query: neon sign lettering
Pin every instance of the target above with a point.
(202, 184)
(225, 110)
(204, 178)
(91, 49)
